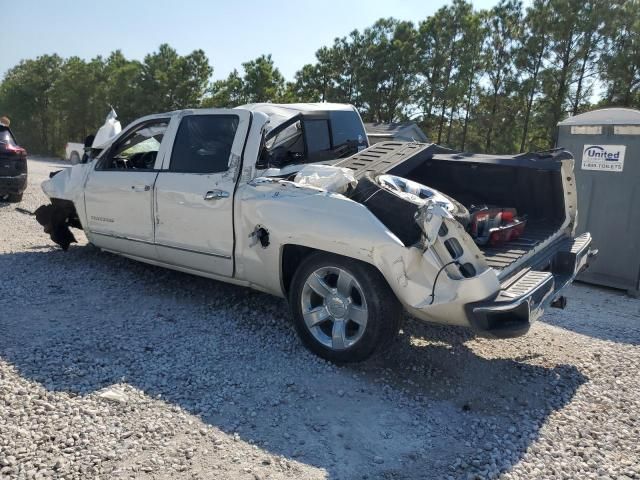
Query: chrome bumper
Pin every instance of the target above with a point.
(522, 299)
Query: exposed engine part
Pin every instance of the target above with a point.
(56, 219)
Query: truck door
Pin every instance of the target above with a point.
(194, 191)
(119, 191)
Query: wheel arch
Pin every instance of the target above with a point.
(292, 255)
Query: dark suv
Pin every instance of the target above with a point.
(13, 167)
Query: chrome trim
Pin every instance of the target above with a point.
(146, 242)
(210, 254)
(216, 195)
(122, 237)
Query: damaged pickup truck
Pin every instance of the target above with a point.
(484, 242)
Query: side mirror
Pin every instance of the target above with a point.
(75, 160)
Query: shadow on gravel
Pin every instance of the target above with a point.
(599, 312)
(83, 320)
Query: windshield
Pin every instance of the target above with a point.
(146, 139)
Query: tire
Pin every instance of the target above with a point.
(353, 322)
(15, 198)
(397, 212)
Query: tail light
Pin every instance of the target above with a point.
(14, 149)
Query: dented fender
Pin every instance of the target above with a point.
(268, 208)
(68, 185)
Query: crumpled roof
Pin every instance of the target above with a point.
(605, 116)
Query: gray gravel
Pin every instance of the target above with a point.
(114, 369)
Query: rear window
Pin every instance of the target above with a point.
(317, 132)
(346, 128)
(6, 136)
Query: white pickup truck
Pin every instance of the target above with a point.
(73, 152)
(488, 244)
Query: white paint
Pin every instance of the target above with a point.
(171, 224)
(586, 130)
(608, 158)
(626, 130)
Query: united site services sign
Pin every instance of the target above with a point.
(609, 158)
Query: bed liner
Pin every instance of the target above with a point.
(503, 256)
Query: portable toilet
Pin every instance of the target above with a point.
(606, 147)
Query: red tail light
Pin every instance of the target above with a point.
(15, 149)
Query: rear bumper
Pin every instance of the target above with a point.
(522, 300)
(15, 184)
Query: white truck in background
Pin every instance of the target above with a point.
(73, 152)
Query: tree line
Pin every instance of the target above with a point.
(495, 81)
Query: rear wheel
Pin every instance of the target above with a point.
(343, 309)
(14, 198)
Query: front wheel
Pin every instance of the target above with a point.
(343, 309)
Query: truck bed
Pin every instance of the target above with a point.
(529, 182)
(503, 256)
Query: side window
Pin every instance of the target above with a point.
(317, 133)
(287, 146)
(203, 144)
(138, 150)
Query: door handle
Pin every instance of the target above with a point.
(140, 188)
(216, 195)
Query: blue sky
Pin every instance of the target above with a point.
(229, 32)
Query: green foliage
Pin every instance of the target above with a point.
(51, 101)
(26, 96)
(493, 80)
(261, 82)
(169, 81)
(621, 55)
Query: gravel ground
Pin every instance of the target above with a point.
(114, 369)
